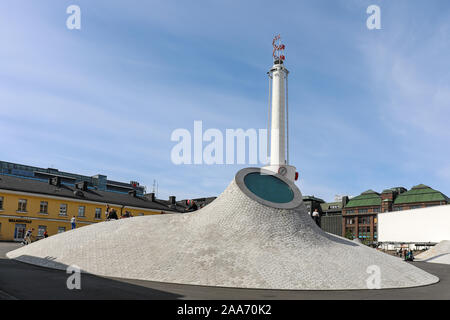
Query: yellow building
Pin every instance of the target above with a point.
(49, 206)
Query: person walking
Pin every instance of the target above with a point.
(28, 235)
(45, 234)
(73, 222)
(316, 217)
(410, 255)
(107, 212)
(113, 215)
(194, 206)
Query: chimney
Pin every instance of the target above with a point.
(172, 199)
(82, 185)
(55, 181)
(132, 193)
(344, 201)
(78, 193)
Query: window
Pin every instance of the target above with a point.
(98, 213)
(349, 221)
(415, 207)
(44, 207)
(398, 209)
(333, 207)
(63, 209)
(349, 211)
(41, 230)
(364, 220)
(22, 205)
(364, 232)
(363, 210)
(1, 203)
(376, 210)
(61, 229)
(81, 211)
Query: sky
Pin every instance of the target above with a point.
(369, 109)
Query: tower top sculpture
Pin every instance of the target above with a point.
(278, 126)
(278, 49)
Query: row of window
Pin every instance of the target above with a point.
(414, 207)
(361, 220)
(361, 229)
(63, 207)
(42, 229)
(378, 210)
(365, 210)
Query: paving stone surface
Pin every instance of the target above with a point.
(440, 253)
(233, 242)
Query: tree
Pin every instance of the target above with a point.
(349, 235)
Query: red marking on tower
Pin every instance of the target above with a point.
(278, 48)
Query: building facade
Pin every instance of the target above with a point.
(97, 182)
(48, 202)
(330, 213)
(360, 214)
(312, 203)
(331, 216)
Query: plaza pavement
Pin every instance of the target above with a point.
(23, 281)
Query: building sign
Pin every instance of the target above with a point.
(19, 221)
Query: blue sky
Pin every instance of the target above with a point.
(369, 109)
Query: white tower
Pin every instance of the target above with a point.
(278, 115)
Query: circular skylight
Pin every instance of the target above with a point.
(269, 187)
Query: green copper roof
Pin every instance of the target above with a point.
(420, 193)
(312, 198)
(396, 189)
(326, 206)
(365, 199)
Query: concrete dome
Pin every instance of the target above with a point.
(440, 253)
(239, 240)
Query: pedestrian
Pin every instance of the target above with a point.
(45, 234)
(316, 217)
(194, 206)
(410, 255)
(107, 212)
(28, 235)
(73, 222)
(113, 215)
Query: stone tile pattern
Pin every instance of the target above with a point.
(233, 242)
(440, 253)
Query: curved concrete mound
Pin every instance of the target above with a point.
(256, 234)
(440, 253)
